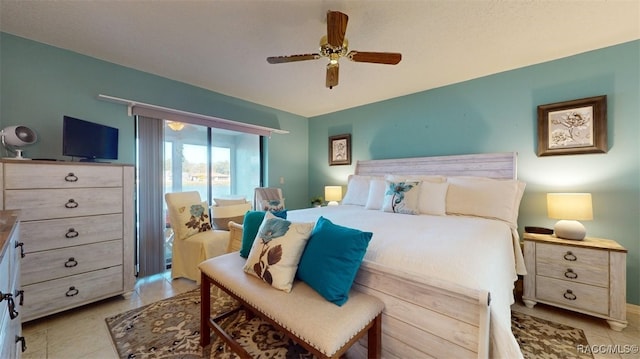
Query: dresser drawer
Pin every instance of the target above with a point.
(27, 176)
(59, 233)
(56, 263)
(68, 292)
(63, 203)
(575, 295)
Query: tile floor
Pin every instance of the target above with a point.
(82, 332)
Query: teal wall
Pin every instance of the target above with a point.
(498, 114)
(41, 83)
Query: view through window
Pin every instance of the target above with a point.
(216, 163)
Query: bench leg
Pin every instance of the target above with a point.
(374, 339)
(205, 310)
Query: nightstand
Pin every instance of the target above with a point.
(587, 276)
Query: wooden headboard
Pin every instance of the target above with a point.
(493, 165)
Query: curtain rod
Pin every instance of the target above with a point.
(165, 113)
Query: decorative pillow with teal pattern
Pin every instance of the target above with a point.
(401, 197)
(273, 205)
(194, 218)
(250, 226)
(276, 251)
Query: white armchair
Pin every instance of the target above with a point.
(191, 245)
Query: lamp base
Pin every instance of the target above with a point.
(332, 203)
(568, 229)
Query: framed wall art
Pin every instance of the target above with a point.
(573, 127)
(340, 150)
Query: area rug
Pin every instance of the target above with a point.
(170, 328)
(541, 339)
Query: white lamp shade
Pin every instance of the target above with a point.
(575, 206)
(333, 194)
(569, 208)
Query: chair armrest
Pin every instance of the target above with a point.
(235, 237)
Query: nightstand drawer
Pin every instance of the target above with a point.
(572, 255)
(580, 273)
(575, 295)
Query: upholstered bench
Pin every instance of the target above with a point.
(321, 327)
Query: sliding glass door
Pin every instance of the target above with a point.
(214, 162)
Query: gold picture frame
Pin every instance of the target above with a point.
(573, 127)
(340, 150)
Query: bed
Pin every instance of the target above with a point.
(446, 279)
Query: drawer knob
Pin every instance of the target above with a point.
(71, 262)
(570, 274)
(23, 343)
(71, 203)
(72, 292)
(21, 246)
(71, 177)
(71, 233)
(569, 295)
(570, 256)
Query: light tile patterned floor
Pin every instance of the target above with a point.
(82, 332)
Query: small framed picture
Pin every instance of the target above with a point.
(340, 150)
(573, 127)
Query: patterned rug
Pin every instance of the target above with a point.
(541, 339)
(170, 328)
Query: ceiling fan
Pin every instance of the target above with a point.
(334, 45)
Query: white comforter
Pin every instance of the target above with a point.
(471, 251)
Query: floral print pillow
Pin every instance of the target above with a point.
(273, 205)
(194, 218)
(401, 197)
(276, 251)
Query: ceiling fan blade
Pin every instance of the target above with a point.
(332, 75)
(388, 58)
(292, 58)
(336, 28)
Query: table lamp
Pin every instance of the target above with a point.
(332, 194)
(569, 208)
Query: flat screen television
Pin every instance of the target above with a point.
(88, 141)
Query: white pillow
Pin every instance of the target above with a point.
(401, 197)
(357, 190)
(377, 188)
(432, 198)
(221, 202)
(277, 249)
(485, 197)
(221, 215)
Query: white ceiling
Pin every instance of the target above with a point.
(222, 45)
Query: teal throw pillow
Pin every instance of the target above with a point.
(250, 225)
(332, 258)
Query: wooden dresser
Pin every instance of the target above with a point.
(587, 276)
(12, 343)
(77, 225)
